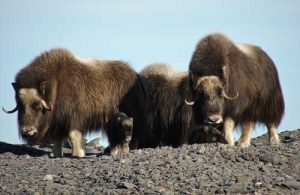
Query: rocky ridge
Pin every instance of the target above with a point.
(190, 169)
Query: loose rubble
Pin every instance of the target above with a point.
(190, 169)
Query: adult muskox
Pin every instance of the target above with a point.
(172, 121)
(61, 96)
(237, 84)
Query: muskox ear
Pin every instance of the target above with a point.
(15, 86)
(44, 87)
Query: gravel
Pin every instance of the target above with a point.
(190, 169)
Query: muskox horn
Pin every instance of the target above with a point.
(46, 107)
(12, 111)
(230, 98)
(189, 103)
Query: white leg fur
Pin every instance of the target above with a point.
(228, 129)
(245, 138)
(273, 135)
(114, 151)
(125, 147)
(57, 149)
(75, 138)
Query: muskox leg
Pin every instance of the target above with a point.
(245, 138)
(75, 138)
(125, 147)
(228, 129)
(114, 150)
(57, 149)
(273, 135)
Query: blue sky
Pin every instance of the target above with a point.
(144, 32)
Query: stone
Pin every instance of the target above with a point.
(48, 178)
(258, 184)
(270, 157)
(127, 185)
(293, 184)
(30, 191)
(168, 193)
(93, 143)
(295, 160)
(241, 185)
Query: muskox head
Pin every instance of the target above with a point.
(208, 96)
(32, 107)
(126, 127)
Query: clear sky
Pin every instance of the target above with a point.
(144, 32)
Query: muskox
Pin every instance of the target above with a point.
(61, 96)
(236, 84)
(172, 121)
(206, 134)
(120, 132)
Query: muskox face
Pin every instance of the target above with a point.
(126, 128)
(207, 98)
(208, 94)
(31, 108)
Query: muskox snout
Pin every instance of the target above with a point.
(128, 138)
(215, 119)
(28, 131)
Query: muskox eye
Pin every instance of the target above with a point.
(37, 106)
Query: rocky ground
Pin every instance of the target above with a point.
(190, 169)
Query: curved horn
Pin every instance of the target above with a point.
(189, 103)
(230, 98)
(11, 111)
(46, 107)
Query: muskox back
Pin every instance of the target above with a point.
(167, 114)
(245, 72)
(83, 95)
(171, 120)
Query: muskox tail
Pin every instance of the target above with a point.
(276, 107)
(276, 101)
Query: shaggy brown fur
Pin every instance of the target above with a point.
(169, 117)
(84, 94)
(206, 134)
(243, 69)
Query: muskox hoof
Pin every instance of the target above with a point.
(114, 151)
(54, 155)
(274, 140)
(243, 144)
(229, 140)
(125, 148)
(79, 153)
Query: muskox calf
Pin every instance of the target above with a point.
(236, 84)
(119, 133)
(171, 120)
(60, 96)
(206, 134)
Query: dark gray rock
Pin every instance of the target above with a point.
(270, 157)
(126, 185)
(190, 169)
(93, 143)
(292, 184)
